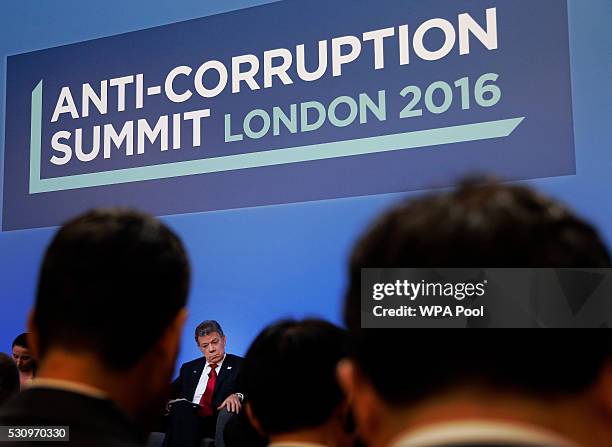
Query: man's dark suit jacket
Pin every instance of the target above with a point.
(92, 422)
(227, 380)
(185, 429)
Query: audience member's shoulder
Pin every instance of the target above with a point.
(92, 422)
(22, 406)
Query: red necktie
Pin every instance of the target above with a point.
(206, 399)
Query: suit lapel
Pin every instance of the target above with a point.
(225, 371)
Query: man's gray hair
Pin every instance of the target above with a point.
(207, 327)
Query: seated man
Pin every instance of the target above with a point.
(105, 327)
(24, 360)
(414, 388)
(212, 382)
(290, 378)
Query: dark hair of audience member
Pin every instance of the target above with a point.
(477, 225)
(9, 377)
(290, 374)
(110, 282)
(21, 340)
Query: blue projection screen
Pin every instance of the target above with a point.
(269, 137)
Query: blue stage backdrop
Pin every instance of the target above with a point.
(271, 135)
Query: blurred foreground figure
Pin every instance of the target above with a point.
(24, 360)
(293, 394)
(418, 388)
(9, 378)
(105, 328)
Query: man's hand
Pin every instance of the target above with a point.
(232, 403)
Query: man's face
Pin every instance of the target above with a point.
(23, 358)
(212, 346)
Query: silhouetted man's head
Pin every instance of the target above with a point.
(290, 377)
(110, 307)
(110, 283)
(477, 225)
(490, 225)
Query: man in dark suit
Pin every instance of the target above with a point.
(210, 382)
(106, 326)
(411, 388)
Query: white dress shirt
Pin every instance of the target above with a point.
(480, 431)
(204, 380)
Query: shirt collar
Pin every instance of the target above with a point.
(480, 431)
